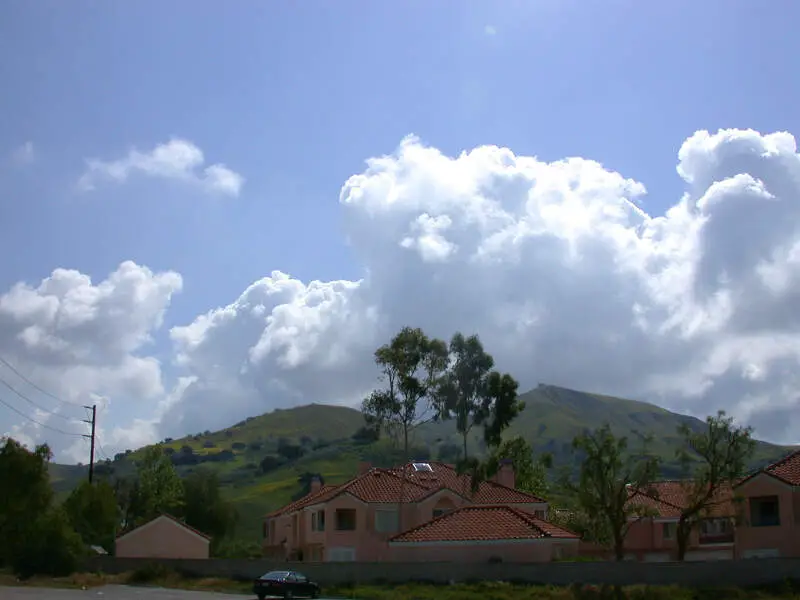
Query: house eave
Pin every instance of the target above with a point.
(450, 543)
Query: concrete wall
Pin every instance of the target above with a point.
(516, 551)
(712, 573)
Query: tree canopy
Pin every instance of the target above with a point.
(410, 365)
(158, 489)
(204, 507)
(609, 476)
(713, 459)
(36, 535)
(93, 511)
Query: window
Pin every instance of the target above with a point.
(539, 514)
(715, 526)
(300, 578)
(345, 519)
(765, 512)
(423, 467)
(318, 520)
(668, 530)
(386, 521)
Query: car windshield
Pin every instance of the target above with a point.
(275, 575)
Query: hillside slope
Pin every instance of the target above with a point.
(251, 456)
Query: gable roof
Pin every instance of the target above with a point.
(170, 518)
(666, 499)
(445, 476)
(378, 486)
(476, 523)
(786, 470)
(302, 502)
(389, 486)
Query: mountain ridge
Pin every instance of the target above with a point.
(264, 461)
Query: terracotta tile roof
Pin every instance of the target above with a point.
(387, 485)
(377, 485)
(787, 469)
(446, 476)
(667, 498)
(483, 523)
(302, 502)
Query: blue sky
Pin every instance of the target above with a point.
(296, 96)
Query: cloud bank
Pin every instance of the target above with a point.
(567, 280)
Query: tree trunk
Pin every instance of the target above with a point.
(682, 533)
(619, 548)
(464, 437)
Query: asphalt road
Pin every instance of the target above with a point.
(112, 592)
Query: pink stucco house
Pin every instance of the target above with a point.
(412, 513)
(771, 499)
(759, 516)
(653, 538)
(163, 537)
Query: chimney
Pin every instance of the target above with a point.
(505, 475)
(364, 467)
(316, 484)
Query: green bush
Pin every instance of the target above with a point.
(50, 548)
(150, 572)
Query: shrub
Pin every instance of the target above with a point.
(270, 462)
(149, 573)
(51, 548)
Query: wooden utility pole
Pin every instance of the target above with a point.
(93, 423)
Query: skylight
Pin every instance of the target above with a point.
(423, 467)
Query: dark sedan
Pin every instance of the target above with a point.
(285, 584)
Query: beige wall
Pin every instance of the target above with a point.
(162, 538)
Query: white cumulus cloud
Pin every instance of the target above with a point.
(84, 343)
(555, 265)
(176, 159)
(559, 270)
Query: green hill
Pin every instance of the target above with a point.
(261, 461)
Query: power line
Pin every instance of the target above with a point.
(36, 387)
(34, 404)
(45, 425)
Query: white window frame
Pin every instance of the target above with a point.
(317, 517)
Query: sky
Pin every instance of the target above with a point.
(209, 211)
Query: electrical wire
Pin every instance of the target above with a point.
(45, 425)
(35, 405)
(36, 387)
